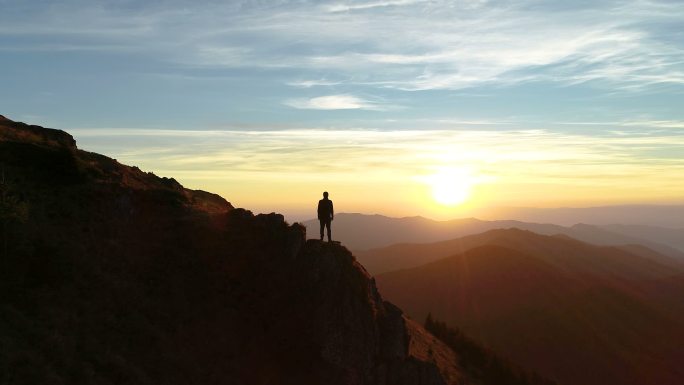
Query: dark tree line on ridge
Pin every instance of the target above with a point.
(481, 364)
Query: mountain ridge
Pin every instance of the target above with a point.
(110, 275)
(407, 255)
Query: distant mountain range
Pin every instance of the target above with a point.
(662, 215)
(409, 255)
(568, 309)
(662, 235)
(363, 232)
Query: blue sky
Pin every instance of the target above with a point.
(604, 76)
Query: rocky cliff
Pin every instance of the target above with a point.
(113, 275)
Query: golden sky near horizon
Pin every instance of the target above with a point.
(434, 173)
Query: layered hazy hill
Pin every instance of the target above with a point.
(111, 275)
(668, 216)
(568, 309)
(363, 232)
(408, 255)
(664, 235)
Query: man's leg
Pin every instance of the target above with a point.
(322, 225)
(328, 223)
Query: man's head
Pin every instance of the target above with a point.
(325, 194)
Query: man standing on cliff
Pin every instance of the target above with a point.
(325, 214)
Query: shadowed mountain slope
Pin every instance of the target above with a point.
(566, 309)
(112, 275)
(363, 232)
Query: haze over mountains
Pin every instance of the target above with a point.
(363, 232)
(408, 255)
(663, 235)
(650, 215)
(567, 309)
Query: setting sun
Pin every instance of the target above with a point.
(451, 186)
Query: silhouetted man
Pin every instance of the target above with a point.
(325, 214)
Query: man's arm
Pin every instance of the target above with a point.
(332, 212)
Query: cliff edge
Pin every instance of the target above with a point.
(113, 275)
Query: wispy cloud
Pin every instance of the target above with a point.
(313, 83)
(402, 44)
(392, 151)
(334, 102)
(364, 5)
(655, 123)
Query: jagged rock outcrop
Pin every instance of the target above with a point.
(25, 133)
(356, 330)
(118, 276)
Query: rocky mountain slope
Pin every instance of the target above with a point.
(111, 275)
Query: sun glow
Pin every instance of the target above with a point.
(451, 186)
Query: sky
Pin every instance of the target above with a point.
(397, 107)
